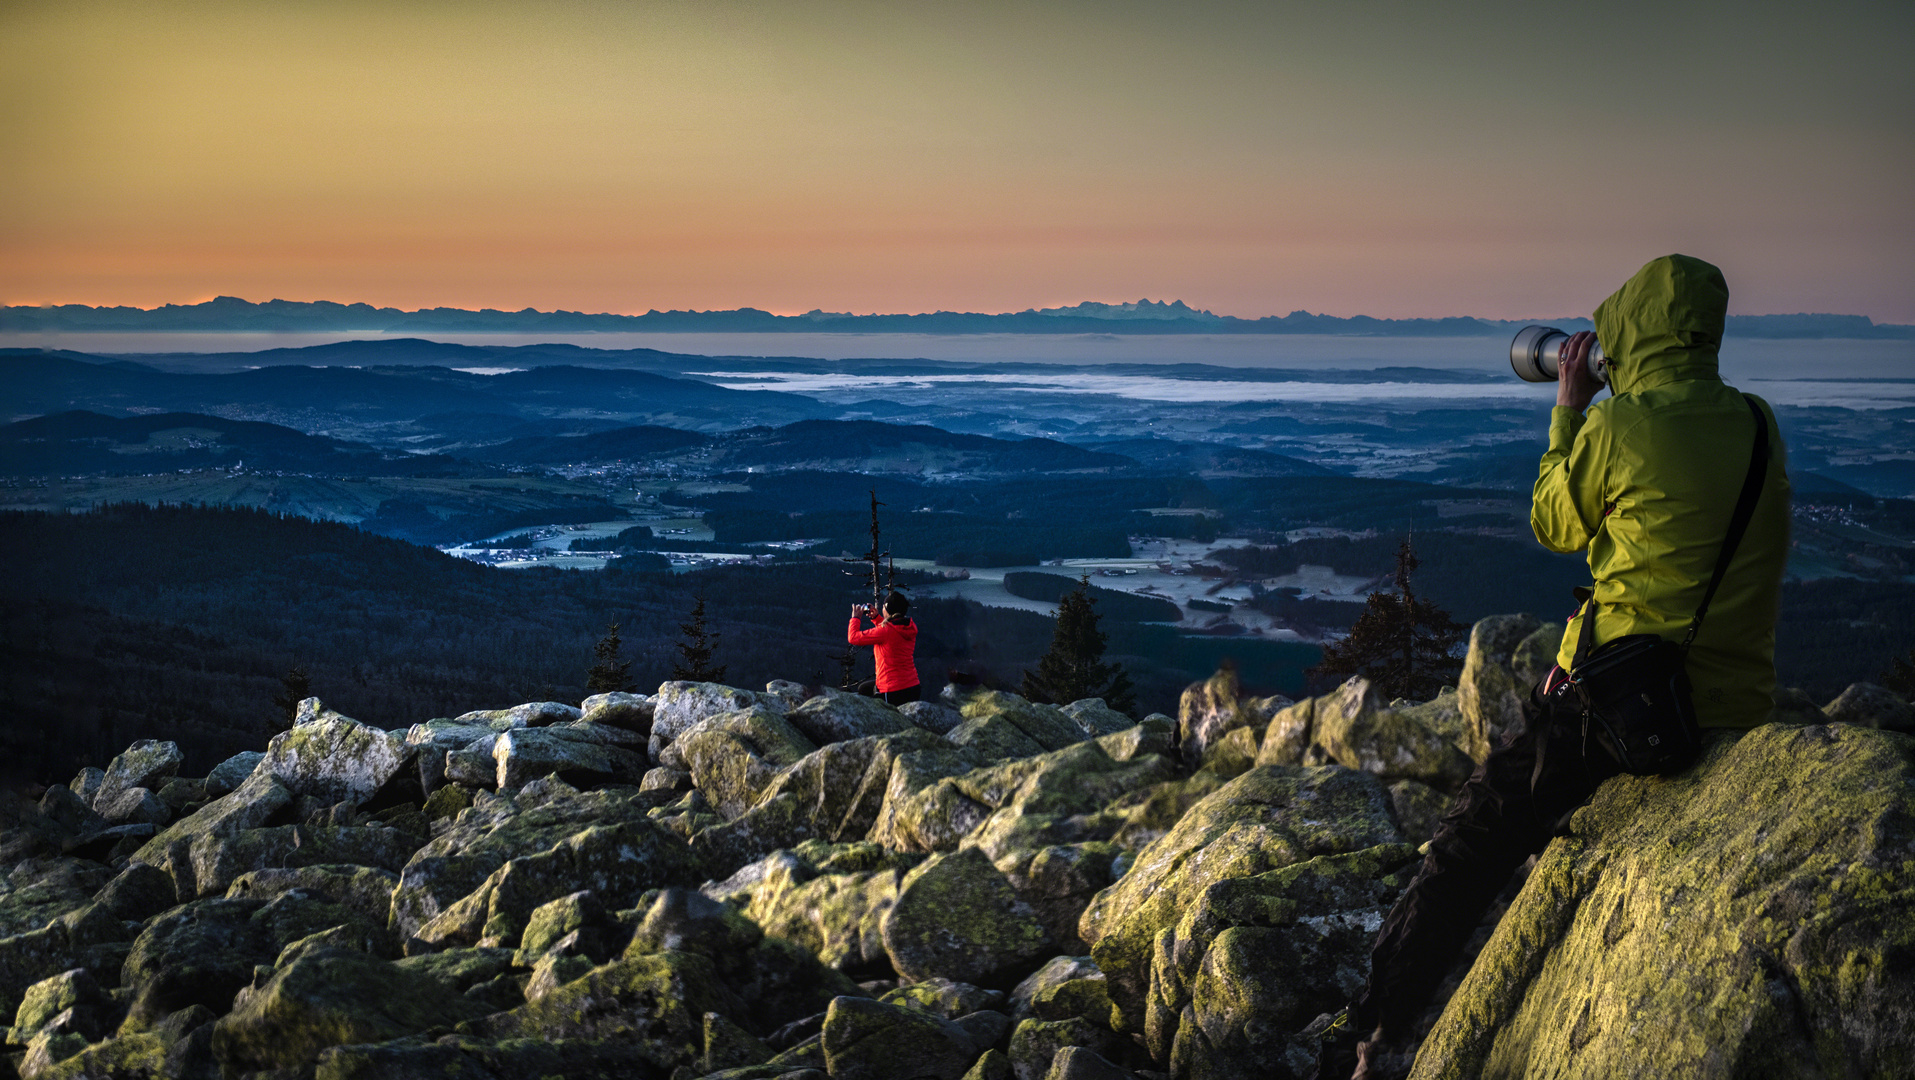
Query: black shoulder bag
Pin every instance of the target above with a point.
(1635, 689)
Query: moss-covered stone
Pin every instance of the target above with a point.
(728, 1046)
(612, 861)
(837, 917)
(148, 763)
(1035, 1043)
(1213, 709)
(1046, 725)
(580, 912)
(331, 997)
(1154, 734)
(525, 754)
(1507, 654)
(679, 705)
(246, 807)
(466, 1058)
(1417, 742)
(944, 998)
(1867, 705)
(79, 938)
(497, 828)
(219, 861)
(77, 990)
(994, 738)
(991, 1065)
(459, 970)
(1254, 958)
(1266, 819)
(835, 717)
(202, 952)
(334, 759)
(633, 712)
(1756, 906)
(1419, 808)
(654, 1003)
(869, 1040)
(37, 891)
(958, 917)
(1056, 971)
(229, 774)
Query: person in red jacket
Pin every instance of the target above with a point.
(894, 640)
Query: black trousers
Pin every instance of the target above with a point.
(1507, 812)
(901, 697)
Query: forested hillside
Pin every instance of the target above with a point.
(178, 622)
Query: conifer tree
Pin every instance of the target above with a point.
(696, 647)
(609, 673)
(1074, 668)
(1900, 676)
(295, 687)
(1402, 643)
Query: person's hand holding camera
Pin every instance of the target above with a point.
(1575, 386)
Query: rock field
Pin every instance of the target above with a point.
(734, 884)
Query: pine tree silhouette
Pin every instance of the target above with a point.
(695, 649)
(1074, 668)
(1900, 674)
(1405, 645)
(609, 673)
(295, 687)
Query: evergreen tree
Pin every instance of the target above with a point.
(695, 649)
(1074, 668)
(1900, 676)
(1405, 645)
(609, 673)
(295, 687)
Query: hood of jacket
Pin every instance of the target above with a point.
(1664, 325)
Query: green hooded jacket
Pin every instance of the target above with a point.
(1647, 483)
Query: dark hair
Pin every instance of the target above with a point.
(897, 603)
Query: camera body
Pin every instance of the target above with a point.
(1537, 351)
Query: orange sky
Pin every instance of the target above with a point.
(1252, 158)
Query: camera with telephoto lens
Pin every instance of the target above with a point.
(1537, 355)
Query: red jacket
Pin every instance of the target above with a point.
(895, 642)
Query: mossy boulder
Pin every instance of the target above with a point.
(202, 952)
(1757, 907)
(870, 1040)
(526, 754)
(1045, 725)
(1035, 1043)
(1415, 742)
(932, 716)
(1212, 709)
(835, 717)
(331, 997)
(494, 830)
(652, 1004)
(229, 774)
(90, 936)
(148, 763)
(1868, 705)
(1255, 958)
(334, 759)
(248, 806)
(1270, 817)
(612, 860)
(958, 917)
(680, 704)
(1507, 654)
(218, 861)
(364, 890)
(837, 917)
(35, 892)
(633, 712)
(94, 1011)
(732, 758)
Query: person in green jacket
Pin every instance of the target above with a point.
(1646, 482)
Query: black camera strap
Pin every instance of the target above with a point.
(1738, 524)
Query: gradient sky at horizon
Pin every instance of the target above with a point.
(1390, 159)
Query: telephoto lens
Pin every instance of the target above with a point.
(1537, 353)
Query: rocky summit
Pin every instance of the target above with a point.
(733, 884)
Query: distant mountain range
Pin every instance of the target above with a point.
(229, 313)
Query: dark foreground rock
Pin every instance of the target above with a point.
(721, 883)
